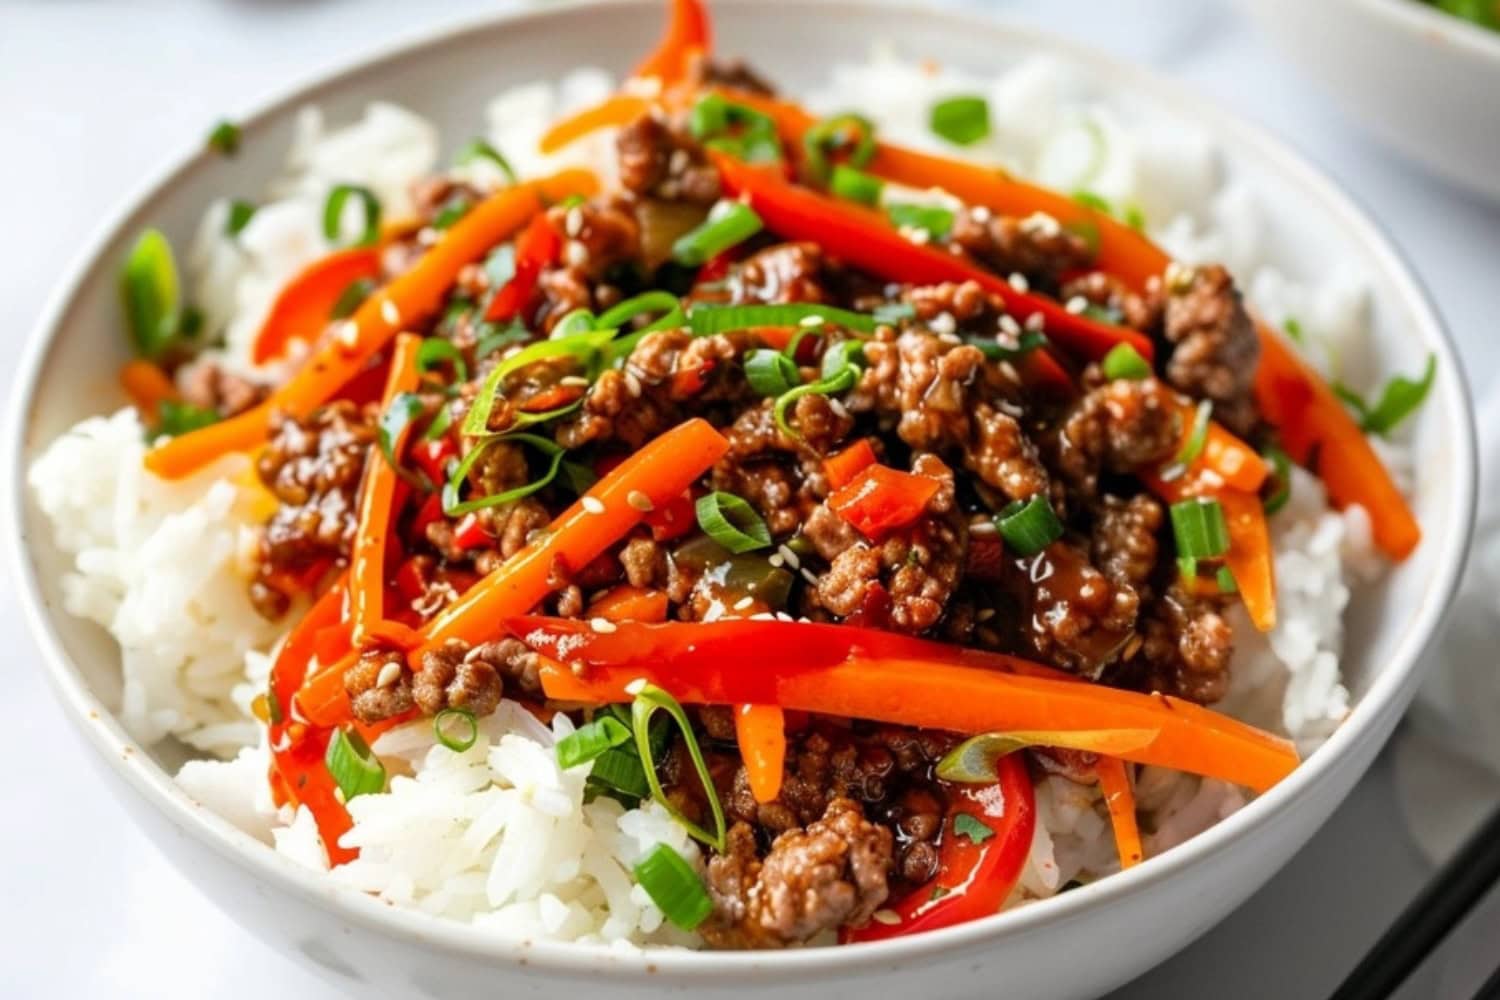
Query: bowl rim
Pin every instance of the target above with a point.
(1387, 695)
(1424, 17)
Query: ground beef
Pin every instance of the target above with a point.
(781, 476)
(207, 385)
(379, 685)
(1124, 541)
(597, 235)
(645, 562)
(1118, 426)
(1187, 646)
(457, 676)
(735, 74)
(1215, 349)
(1140, 312)
(1076, 618)
(833, 872)
(828, 533)
(655, 162)
(1036, 246)
(786, 272)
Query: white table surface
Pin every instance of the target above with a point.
(91, 97)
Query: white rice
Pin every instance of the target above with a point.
(498, 834)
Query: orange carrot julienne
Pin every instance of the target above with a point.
(417, 293)
(147, 386)
(760, 731)
(626, 603)
(304, 306)
(616, 111)
(1119, 799)
(377, 495)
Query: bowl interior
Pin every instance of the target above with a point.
(449, 77)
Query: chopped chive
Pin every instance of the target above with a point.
(355, 769)
(771, 373)
(1280, 479)
(1199, 527)
(174, 418)
(962, 120)
(1124, 361)
(454, 507)
(435, 351)
(935, 220)
(850, 131)
(1399, 399)
(731, 522)
(1029, 526)
(352, 297)
(149, 287)
(587, 742)
(224, 137)
(707, 320)
(674, 887)
(855, 185)
(333, 214)
(240, 214)
(728, 224)
(967, 825)
(456, 729)
(478, 149)
(650, 699)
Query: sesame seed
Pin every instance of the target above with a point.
(950, 338)
(837, 407)
(1076, 305)
(1036, 322)
(888, 917)
(810, 576)
(943, 324)
(914, 235)
(1018, 282)
(574, 380)
(985, 614)
(714, 613)
(763, 616)
(576, 254)
(632, 384)
(775, 560)
(782, 616)
(743, 604)
(981, 213)
(593, 505)
(812, 320)
(636, 686)
(389, 312)
(427, 236)
(1041, 224)
(389, 674)
(573, 222)
(640, 501)
(790, 557)
(347, 334)
(602, 625)
(1009, 326)
(679, 161)
(1009, 371)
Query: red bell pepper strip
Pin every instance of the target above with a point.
(689, 36)
(537, 248)
(848, 463)
(760, 731)
(922, 693)
(304, 307)
(866, 240)
(879, 499)
(980, 859)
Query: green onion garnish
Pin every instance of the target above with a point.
(404, 408)
(500, 265)
(352, 297)
(438, 426)
(584, 347)
(967, 825)
(589, 741)
(936, 221)
(496, 337)
(1225, 580)
(1124, 361)
(618, 773)
(842, 364)
(771, 373)
(1293, 327)
(891, 313)
(453, 507)
(1029, 341)
(434, 351)
(855, 185)
(842, 355)
(478, 149)
(580, 320)
(648, 700)
(240, 214)
(674, 887)
(735, 129)
(1099, 203)
(1280, 480)
(148, 284)
(225, 137)
(174, 418)
(456, 729)
(961, 120)
(1135, 217)
(1398, 400)
(354, 768)
(455, 208)
(645, 304)
(973, 762)
(730, 223)
(1029, 526)
(849, 131)
(731, 522)
(1193, 446)
(1200, 530)
(705, 321)
(333, 214)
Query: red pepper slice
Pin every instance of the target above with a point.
(689, 35)
(880, 499)
(305, 305)
(469, 533)
(432, 457)
(986, 839)
(672, 519)
(537, 247)
(848, 463)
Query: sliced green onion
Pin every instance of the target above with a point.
(499, 337)
(434, 351)
(618, 774)
(333, 214)
(1398, 400)
(240, 214)
(1108, 315)
(935, 220)
(1293, 327)
(735, 129)
(1029, 526)
(843, 381)
(478, 149)
(993, 350)
(174, 418)
(855, 185)
(148, 285)
(728, 224)
(1196, 439)
(967, 825)
(1225, 579)
(589, 741)
(576, 477)
(454, 507)
(840, 355)
(583, 347)
(669, 305)
(1281, 479)
(705, 321)
(961, 120)
(1124, 361)
(849, 131)
(456, 729)
(674, 887)
(731, 522)
(1086, 230)
(580, 320)
(352, 297)
(891, 313)
(650, 699)
(225, 137)
(500, 265)
(771, 373)
(455, 208)
(1098, 203)
(795, 344)
(975, 760)
(1135, 217)
(273, 704)
(404, 408)
(354, 768)
(441, 421)
(1199, 528)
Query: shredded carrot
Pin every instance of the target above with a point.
(377, 495)
(626, 603)
(415, 294)
(147, 386)
(1250, 559)
(616, 111)
(760, 731)
(689, 36)
(1119, 799)
(305, 304)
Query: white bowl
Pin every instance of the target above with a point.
(1423, 81)
(1077, 944)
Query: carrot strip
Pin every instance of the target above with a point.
(1250, 559)
(936, 695)
(689, 35)
(147, 386)
(305, 304)
(616, 111)
(630, 604)
(1119, 799)
(760, 731)
(377, 495)
(417, 293)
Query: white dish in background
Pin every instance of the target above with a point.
(1144, 914)
(1423, 81)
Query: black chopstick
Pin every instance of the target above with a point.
(1438, 908)
(1491, 988)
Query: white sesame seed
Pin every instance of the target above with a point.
(1010, 327)
(763, 616)
(636, 686)
(427, 236)
(678, 162)
(593, 505)
(347, 334)
(810, 576)
(602, 625)
(984, 614)
(1009, 371)
(632, 384)
(576, 254)
(573, 222)
(714, 613)
(1076, 305)
(1018, 282)
(390, 673)
(389, 312)
(790, 557)
(782, 616)
(743, 604)
(1036, 322)
(950, 338)
(981, 213)
(888, 917)
(640, 501)
(982, 527)
(914, 235)
(943, 323)
(775, 560)
(838, 408)
(573, 380)
(811, 320)
(1041, 224)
